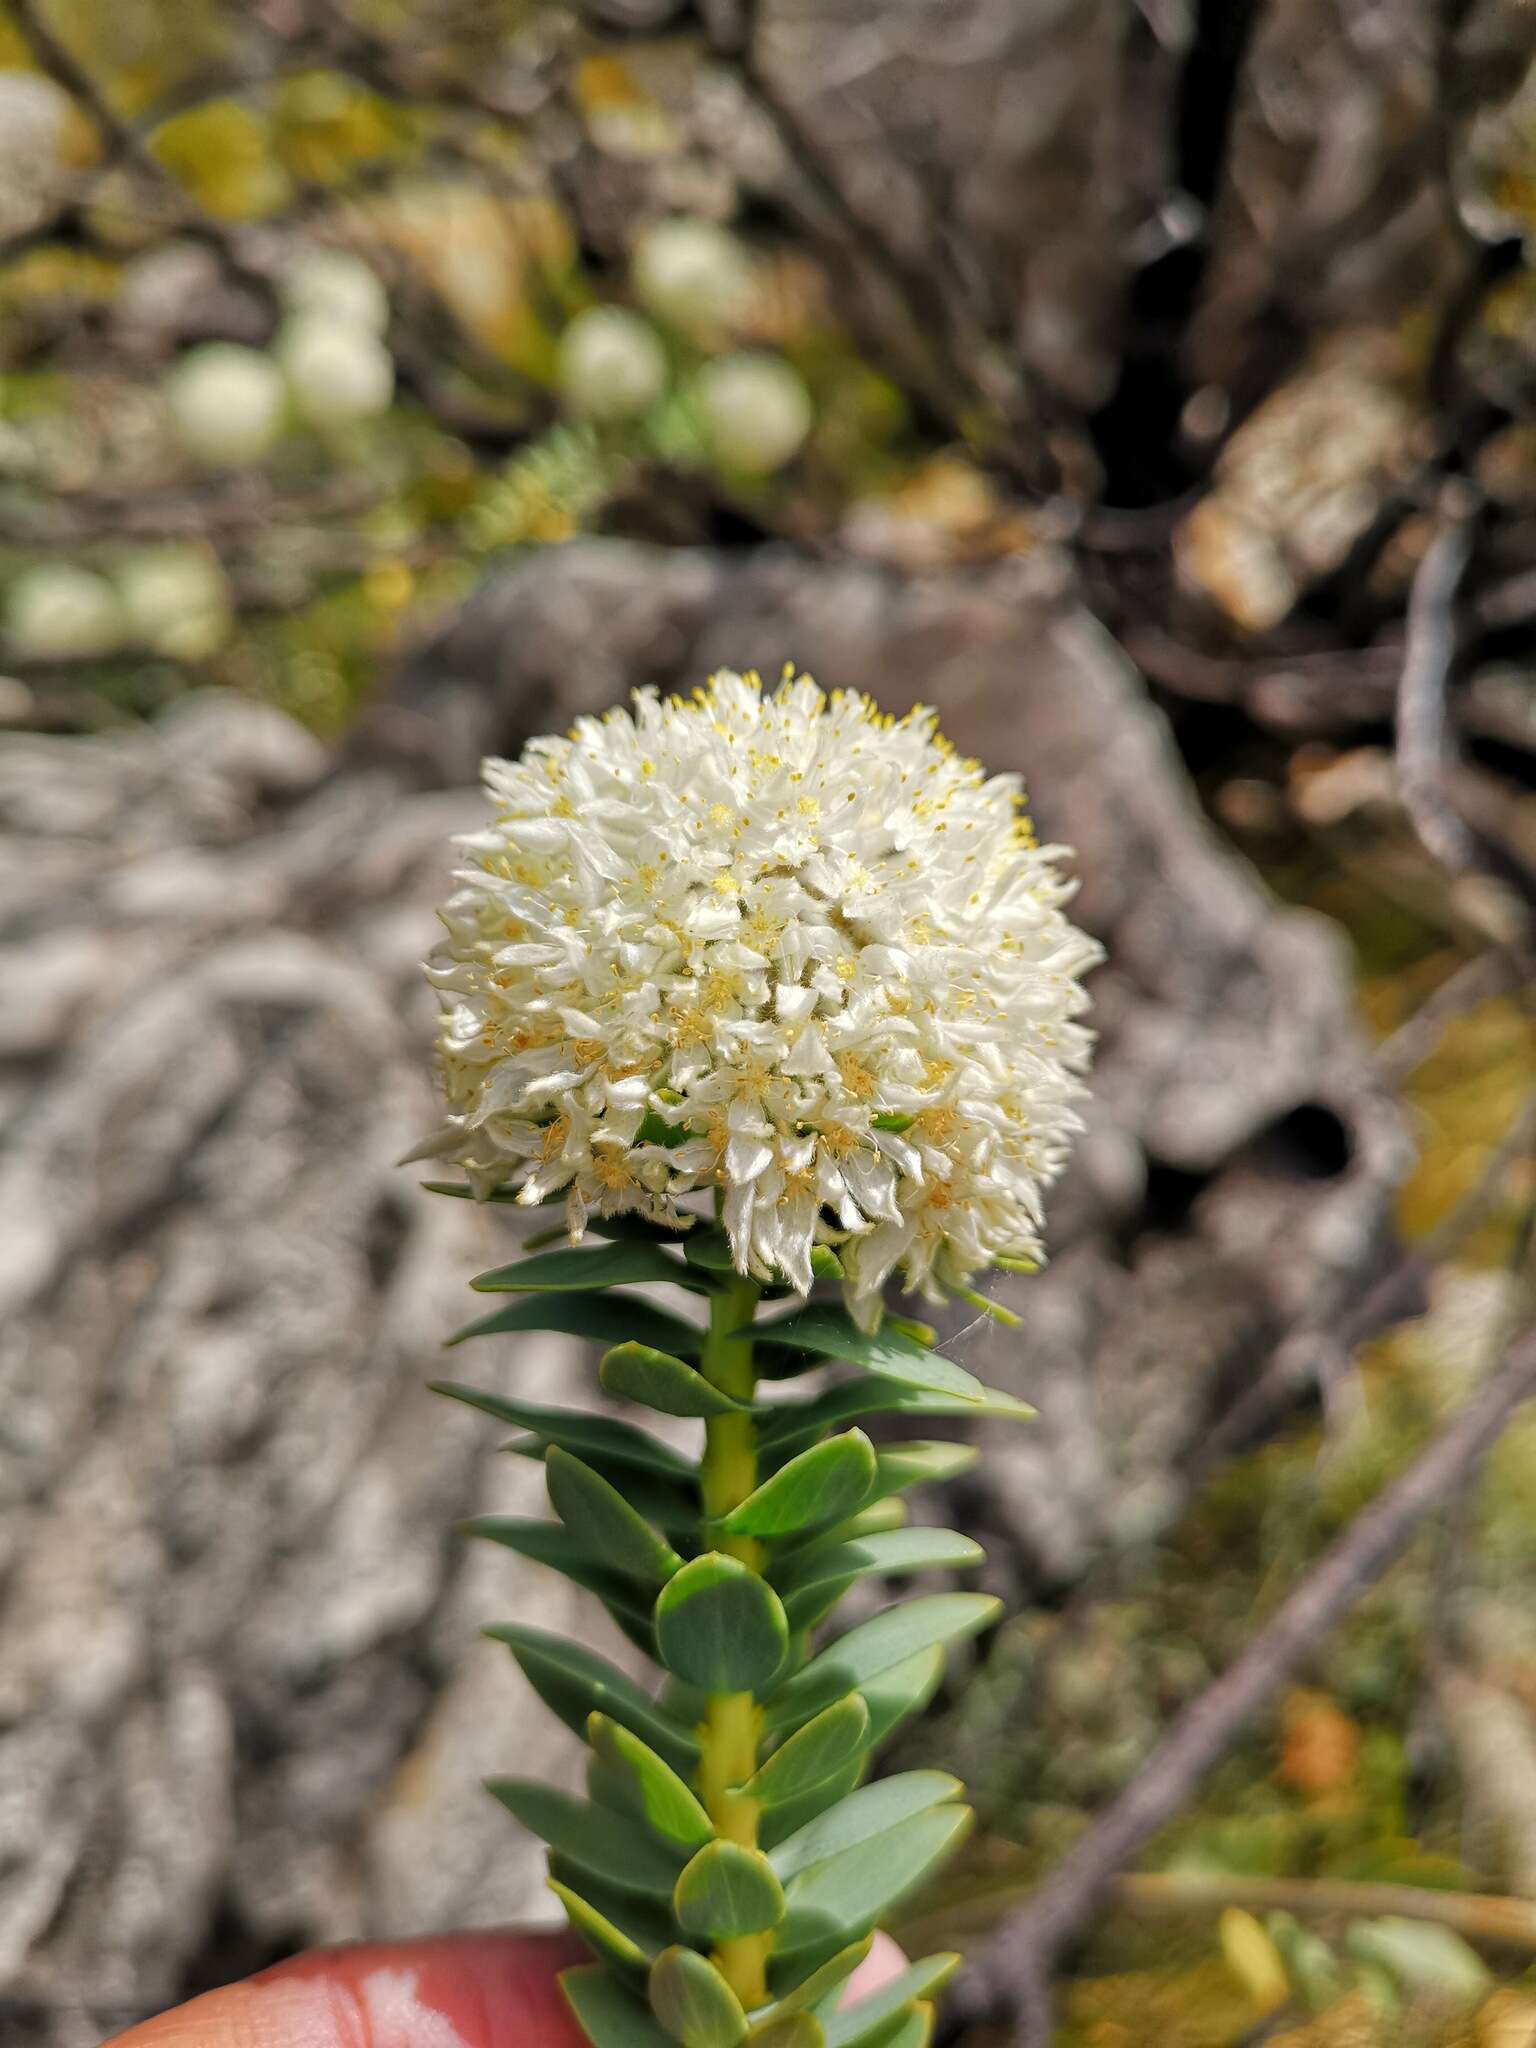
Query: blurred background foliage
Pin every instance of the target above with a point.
(539, 378)
(310, 314)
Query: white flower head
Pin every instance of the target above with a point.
(612, 365)
(57, 612)
(226, 403)
(691, 273)
(755, 409)
(337, 371)
(781, 947)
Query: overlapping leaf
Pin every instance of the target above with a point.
(609, 1318)
(632, 1263)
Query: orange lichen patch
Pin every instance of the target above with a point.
(1319, 1747)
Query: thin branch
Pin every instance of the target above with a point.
(1489, 1921)
(1478, 981)
(1424, 748)
(1423, 744)
(1010, 1980)
(1301, 1358)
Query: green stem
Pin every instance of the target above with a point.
(732, 1720)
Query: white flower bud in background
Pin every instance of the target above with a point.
(337, 372)
(176, 600)
(691, 273)
(34, 126)
(56, 612)
(227, 403)
(755, 411)
(612, 366)
(339, 285)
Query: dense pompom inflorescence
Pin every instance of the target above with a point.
(778, 945)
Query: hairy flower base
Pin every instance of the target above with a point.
(780, 946)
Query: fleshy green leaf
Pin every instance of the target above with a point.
(728, 1890)
(864, 1816)
(793, 2030)
(829, 1740)
(594, 1838)
(778, 1823)
(582, 1266)
(629, 1225)
(825, 1264)
(573, 1429)
(902, 1691)
(824, 1483)
(609, 1943)
(922, 1463)
(552, 1544)
(655, 1130)
(693, 2001)
(875, 1646)
(638, 1372)
(894, 1551)
(914, 2030)
(585, 1502)
(646, 1923)
(849, 1892)
(874, 1520)
(574, 1683)
(721, 1627)
(607, 2014)
(709, 1250)
(664, 1503)
(667, 1803)
(890, 1352)
(819, 1582)
(786, 1424)
(821, 1983)
(856, 2024)
(610, 1318)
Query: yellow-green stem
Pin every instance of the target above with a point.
(729, 1738)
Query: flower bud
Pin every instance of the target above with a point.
(56, 612)
(612, 366)
(226, 402)
(337, 372)
(339, 285)
(691, 273)
(755, 410)
(176, 600)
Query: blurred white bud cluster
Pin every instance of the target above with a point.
(328, 367)
(749, 409)
(172, 600)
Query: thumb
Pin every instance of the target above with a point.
(451, 1991)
